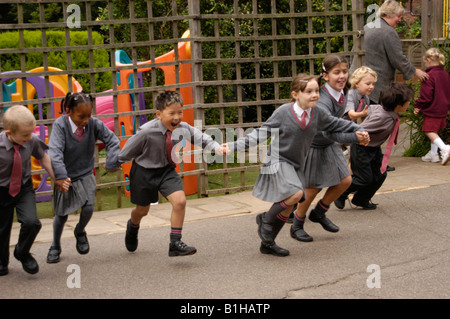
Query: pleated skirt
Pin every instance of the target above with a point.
(278, 181)
(325, 167)
(82, 192)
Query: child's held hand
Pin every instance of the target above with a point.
(363, 138)
(63, 184)
(223, 149)
(365, 112)
(112, 170)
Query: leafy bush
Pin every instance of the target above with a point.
(57, 59)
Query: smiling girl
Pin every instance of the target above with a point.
(291, 128)
(71, 148)
(325, 164)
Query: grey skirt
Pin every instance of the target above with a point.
(325, 167)
(277, 182)
(81, 193)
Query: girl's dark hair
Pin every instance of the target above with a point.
(395, 94)
(329, 63)
(73, 99)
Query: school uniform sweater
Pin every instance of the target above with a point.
(434, 100)
(379, 123)
(290, 140)
(74, 158)
(282, 173)
(332, 107)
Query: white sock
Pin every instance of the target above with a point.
(434, 148)
(439, 143)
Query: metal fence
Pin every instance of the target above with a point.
(232, 61)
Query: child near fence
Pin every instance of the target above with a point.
(434, 103)
(72, 146)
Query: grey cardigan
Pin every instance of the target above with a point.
(384, 55)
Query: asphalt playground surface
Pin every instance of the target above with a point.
(401, 250)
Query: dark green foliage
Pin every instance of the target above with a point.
(58, 59)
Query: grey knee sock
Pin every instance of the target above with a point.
(85, 216)
(58, 226)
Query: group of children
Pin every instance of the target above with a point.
(304, 156)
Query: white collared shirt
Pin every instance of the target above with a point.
(335, 94)
(73, 126)
(299, 112)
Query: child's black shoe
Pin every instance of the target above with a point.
(29, 264)
(82, 244)
(366, 206)
(3, 270)
(131, 237)
(273, 249)
(178, 248)
(53, 254)
(324, 221)
(300, 234)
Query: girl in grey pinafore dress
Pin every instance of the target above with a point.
(281, 179)
(325, 164)
(72, 155)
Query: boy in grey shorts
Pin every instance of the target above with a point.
(153, 168)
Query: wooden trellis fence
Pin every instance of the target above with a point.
(243, 55)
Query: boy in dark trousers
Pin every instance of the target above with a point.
(17, 145)
(367, 162)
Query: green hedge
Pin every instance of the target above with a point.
(57, 59)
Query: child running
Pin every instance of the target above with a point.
(362, 83)
(434, 103)
(17, 145)
(153, 169)
(291, 129)
(325, 164)
(368, 162)
(72, 146)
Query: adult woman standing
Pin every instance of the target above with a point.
(383, 47)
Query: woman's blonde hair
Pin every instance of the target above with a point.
(390, 8)
(435, 55)
(360, 73)
(18, 116)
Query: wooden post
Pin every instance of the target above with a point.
(358, 26)
(432, 20)
(197, 91)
